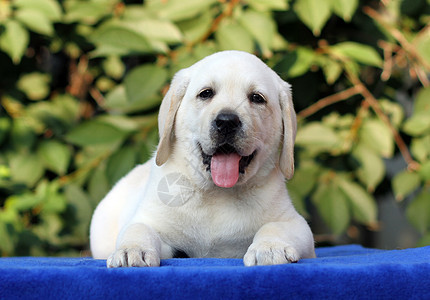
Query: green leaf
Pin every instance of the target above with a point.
(279, 42)
(58, 114)
(82, 209)
(405, 183)
(393, 110)
(372, 168)
(423, 45)
(50, 9)
(358, 52)
(418, 212)
(89, 12)
(125, 123)
(92, 155)
(98, 185)
(345, 8)
(377, 136)
(232, 36)
(351, 67)
(261, 26)
(6, 10)
(120, 163)
(305, 179)
(139, 19)
(422, 101)
(35, 21)
(105, 84)
(410, 7)
(337, 121)
(268, 4)
(424, 171)
(14, 40)
(53, 199)
(4, 172)
(48, 229)
(317, 137)
(25, 168)
(364, 208)
(114, 67)
(117, 101)
(420, 148)
(144, 82)
(178, 10)
(332, 69)
(104, 50)
(46, 198)
(5, 125)
(194, 29)
(135, 12)
(314, 13)
(66, 108)
(55, 155)
(23, 202)
(158, 30)
(7, 236)
(296, 63)
(35, 85)
(95, 133)
(119, 35)
(333, 207)
(418, 124)
(22, 136)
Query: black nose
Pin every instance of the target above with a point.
(227, 123)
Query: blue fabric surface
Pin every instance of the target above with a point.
(342, 272)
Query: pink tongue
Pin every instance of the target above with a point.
(225, 169)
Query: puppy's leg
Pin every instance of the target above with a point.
(280, 243)
(137, 246)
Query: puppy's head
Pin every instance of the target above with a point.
(230, 117)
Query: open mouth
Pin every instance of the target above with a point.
(226, 164)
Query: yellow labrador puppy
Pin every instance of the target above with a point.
(216, 185)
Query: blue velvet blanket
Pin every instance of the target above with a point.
(341, 272)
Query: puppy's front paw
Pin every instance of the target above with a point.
(270, 253)
(133, 257)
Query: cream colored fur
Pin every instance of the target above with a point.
(254, 220)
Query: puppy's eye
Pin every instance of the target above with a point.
(206, 94)
(257, 98)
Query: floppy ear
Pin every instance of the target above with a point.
(167, 115)
(289, 123)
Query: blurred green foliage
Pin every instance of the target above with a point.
(81, 82)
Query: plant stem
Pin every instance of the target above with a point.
(329, 100)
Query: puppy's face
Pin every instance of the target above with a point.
(229, 122)
(226, 118)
